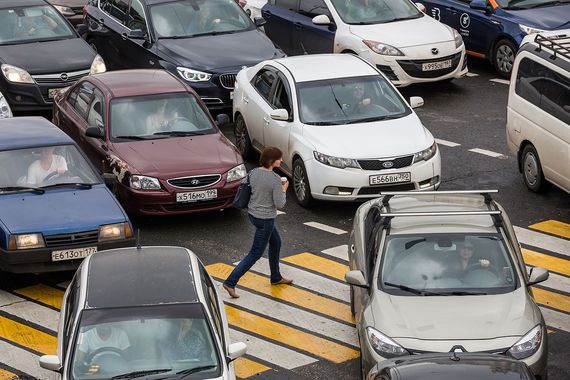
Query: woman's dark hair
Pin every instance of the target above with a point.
(269, 156)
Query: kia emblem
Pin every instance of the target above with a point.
(64, 77)
(387, 164)
(195, 182)
(434, 51)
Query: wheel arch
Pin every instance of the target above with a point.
(523, 145)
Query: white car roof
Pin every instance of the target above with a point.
(305, 68)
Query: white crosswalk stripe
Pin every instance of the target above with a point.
(540, 240)
(29, 311)
(340, 252)
(23, 361)
(324, 227)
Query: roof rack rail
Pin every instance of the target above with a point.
(441, 213)
(554, 43)
(390, 194)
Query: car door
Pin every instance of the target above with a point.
(277, 132)
(112, 48)
(137, 51)
(280, 16)
(258, 106)
(309, 38)
(439, 10)
(95, 148)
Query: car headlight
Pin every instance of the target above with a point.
(5, 111)
(15, 74)
(66, 11)
(115, 231)
(25, 241)
(528, 344)
(142, 182)
(426, 154)
(380, 48)
(337, 162)
(530, 30)
(98, 65)
(193, 75)
(458, 39)
(383, 345)
(236, 173)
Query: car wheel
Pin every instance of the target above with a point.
(504, 57)
(301, 184)
(243, 142)
(532, 170)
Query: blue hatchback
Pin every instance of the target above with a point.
(54, 207)
(494, 29)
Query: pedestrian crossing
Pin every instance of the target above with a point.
(285, 327)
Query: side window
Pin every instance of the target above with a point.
(83, 99)
(95, 116)
(287, 4)
(71, 304)
(135, 19)
(73, 96)
(312, 8)
(212, 303)
(116, 8)
(263, 82)
(280, 97)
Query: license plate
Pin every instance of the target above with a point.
(436, 65)
(231, 94)
(72, 254)
(390, 178)
(52, 92)
(194, 196)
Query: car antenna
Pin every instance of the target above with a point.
(139, 239)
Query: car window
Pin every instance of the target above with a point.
(544, 88)
(263, 81)
(83, 100)
(73, 95)
(287, 4)
(71, 303)
(212, 304)
(136, 19)
(117, 9)
(375, 11)
(280, 97)
(95, 116)
(312, 8)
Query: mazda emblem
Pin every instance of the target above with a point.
(387, 164)
(64, 77)
(434, 51)
(195, 182)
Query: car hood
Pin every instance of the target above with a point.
(61, 210)
(398, 33)
(381, 139)
(548, 18)
(456, 317)
(212, 53)
(46, 57)
(179, 156)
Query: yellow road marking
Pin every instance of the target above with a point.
(553, 227)
(552, 263)
(246, 368)
(290, 294)
(554, 300)
(27, 336)
(7, 375)
(43, 294)
(290, 336)
(318, 264)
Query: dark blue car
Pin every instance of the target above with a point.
(54, 207)
(494, 29)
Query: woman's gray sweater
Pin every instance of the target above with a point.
(266, 194)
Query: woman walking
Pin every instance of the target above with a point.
(267, 195)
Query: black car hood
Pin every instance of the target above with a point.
(214, 53)
(49, 57)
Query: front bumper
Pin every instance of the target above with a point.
(217, 93)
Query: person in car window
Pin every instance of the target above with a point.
(359, 103)
(187, 342)
(459, 264)
(99, 338)
(49, 165)
(37, 26)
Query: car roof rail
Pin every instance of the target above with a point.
(387, 195)
(558, 44)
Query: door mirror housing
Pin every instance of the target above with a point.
(81, 29)
(259, 21)
(537, 275)
(50, 362)
(95, 132)
(322, 20)
(280, 114)
(416, 101)
(356, 278)
(421, 7)
(136, 34)
(110, 179)
(236, 350)
(222, 119)
(481, 5)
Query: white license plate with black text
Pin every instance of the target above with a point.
(436, 65)
(194, 196)
(72, 254)
(384, 179)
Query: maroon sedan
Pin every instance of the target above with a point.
(153, 132)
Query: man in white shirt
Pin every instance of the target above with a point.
(48, 163)
(100, 337)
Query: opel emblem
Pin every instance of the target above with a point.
(195, 182)
(64, 77)
(434, 51)
(387, 164)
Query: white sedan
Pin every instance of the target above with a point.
(345, 131)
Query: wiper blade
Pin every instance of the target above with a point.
(190, 371)
(412, 290)
(214, 33)
(463, 293)
(326, 122)
(135, 374)
(172, 37)
(131, 137)
(178, 133)
(69, 184)
(22, 188)
(371, 119)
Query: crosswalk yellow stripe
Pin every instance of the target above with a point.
(245, 368)
(552, 263)
(7, 375)
(290, 336)
(318, 264)
(43, 294)
(553, 227)
(27, 336)
(554, 300)
(286, 293)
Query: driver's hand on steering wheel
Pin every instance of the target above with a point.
(61, 171)
(365, 101)
(484, 263)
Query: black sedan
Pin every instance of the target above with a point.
(40, 52)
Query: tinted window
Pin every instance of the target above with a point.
(95, 116)
(263, 82)
(136, 19)
(212, 303)
(118, 9)
(544, 88)
(375, 11)
(312, 8)
(83, 100)
(280, 98)
(287, 4)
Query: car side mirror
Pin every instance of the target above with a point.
(136, 34)
(259, 21)
(481, 5)
(537, 275)
(222, 119)
(421, 7)
(416, 101)
(50, 362)
(356, 278)
(95, 132)
(280, 114)
(110, 179)
(235, 350)
(81, 29)
(321, 20)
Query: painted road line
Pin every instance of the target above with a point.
(318, 264)
(245, 368)
(446, 143)
(29, 311)
(286, 293)
(324, 227)
(310, 281)
(501, 81)
(270, 352)
(26, 336)
(293, 316)
(553, 300)
(552, 263)
(470, 74)
(556, 319)
(280, 212)
(555, 281)
(23, 361)
(543, 241)
(7, 375)
(290, 336)
(44, 294)
(487, 152)
(340, 252)
(553, 227)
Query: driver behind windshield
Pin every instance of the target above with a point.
(98, 339)
(36, 26)
(359, 103)
(49, 165)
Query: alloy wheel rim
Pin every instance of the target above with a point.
(240, 136)
(530, 169)
(505, 58)
(299, 183)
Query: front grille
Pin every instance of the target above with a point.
(195, 205)
(414, 68)
(71, 240)
(212, 101)
(193, 182)
(68, 78)
(378, 189)
(47, 99)
(399, 162)
(387, 70)
(228, 81)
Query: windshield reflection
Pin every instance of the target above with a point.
(375, 11)
(27, 24)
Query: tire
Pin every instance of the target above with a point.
(301, 186)
(532, 170)
(504, 57)
(243, 143)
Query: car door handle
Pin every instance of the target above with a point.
(101, 21)
(245, 100)
(124, 36)
(266, 119)
(298, 25)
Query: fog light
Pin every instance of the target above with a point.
(429, 182)
(333, 190)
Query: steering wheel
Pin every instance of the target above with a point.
(111, 350)
(478, 266)
(51, 175)
(177, 119)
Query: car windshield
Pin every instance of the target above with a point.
(364, 12)
(129, 342)
(44, 167)
(158, 116)
(528, 4)
(31, 24)
(446, 264)
(349, 101)
(190, 18)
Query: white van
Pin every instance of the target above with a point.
(538, 112)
